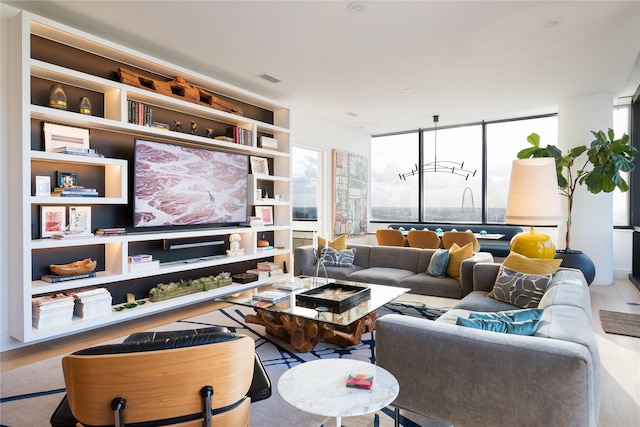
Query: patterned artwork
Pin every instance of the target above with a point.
(350, 184)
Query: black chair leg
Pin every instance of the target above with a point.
(118, 405)
(206, 392)
(396, 417)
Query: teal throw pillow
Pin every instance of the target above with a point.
(527, 327)
(334, 258)
(438, 263)
(519, 289)
(511, 315)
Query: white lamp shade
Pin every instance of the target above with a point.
(534, 197)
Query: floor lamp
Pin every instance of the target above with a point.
(534, 199)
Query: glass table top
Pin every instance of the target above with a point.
(274, 298)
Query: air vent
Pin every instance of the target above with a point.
(352, 114)
(269, 78)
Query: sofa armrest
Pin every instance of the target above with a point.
(303, 257)
(484, 275)
(466, 376)
(467, 270)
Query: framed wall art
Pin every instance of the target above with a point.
(259, 165)
(58, 137)
(79, 220)
(53, 219)
(43, 186)
(350, 183)
(66, 179)
(265, 213)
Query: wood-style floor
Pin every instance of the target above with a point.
(620, 355)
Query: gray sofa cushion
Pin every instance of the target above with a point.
(395, 257)
(424, 284)
(381, 275)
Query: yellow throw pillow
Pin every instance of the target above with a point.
(458, 254)
(339, 244)
(527, 265)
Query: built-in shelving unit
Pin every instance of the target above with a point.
(44, 52)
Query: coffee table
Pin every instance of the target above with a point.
(304, 327)
(319, 387)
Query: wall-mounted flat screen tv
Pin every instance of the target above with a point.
(176, 185)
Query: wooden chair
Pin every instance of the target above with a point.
(189, 380)
(461, 238)
(424, 239)
(388, 237)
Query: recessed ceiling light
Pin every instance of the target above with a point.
(357, 7)
(269, 78)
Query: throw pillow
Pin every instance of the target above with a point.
(527, 327)
(438, 263)
(458, 254)
(334, 258)
(524, 264)
(519, 289)
(338, 244)
(511, 315)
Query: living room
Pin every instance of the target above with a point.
(310, 127)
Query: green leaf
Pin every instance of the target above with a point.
(534, 139)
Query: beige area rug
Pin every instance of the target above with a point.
(30, 394)
(616, 322)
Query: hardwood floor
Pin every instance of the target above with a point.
(620, 355)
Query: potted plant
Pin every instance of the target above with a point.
(606, 158)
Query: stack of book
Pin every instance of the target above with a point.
(142, 262)
(139, 113)
(54, 278)
(91, 302)
(115, 231)
(262, 274)
(78, 151)
(51, 310)
(74, 192)
(240, 135)
(272, 268)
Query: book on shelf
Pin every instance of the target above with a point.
(288, 286)
(51, 300)
(141, 266)
(111, 231)
(271, 296)
(52, 278)
(139, 113)
(74, 192)
(77, 151)
(262, 274)
(69, 236)
(264, 248)
(225, 138)
(140, 258)
(267, 265)
(240, 135)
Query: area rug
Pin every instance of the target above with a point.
(616, 322)
(31, 393)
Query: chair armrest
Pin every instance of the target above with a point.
(303, 257)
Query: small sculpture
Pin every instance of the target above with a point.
(84, 106)
(234, 247)
(178, 125)
(57, 97)
(210, 133)
(194, 127)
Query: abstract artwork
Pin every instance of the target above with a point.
(350, 193)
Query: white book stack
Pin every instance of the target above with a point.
(91, 302)
(273, 268)
(51, 311)
(262, 274)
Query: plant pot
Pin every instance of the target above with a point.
(578, 260)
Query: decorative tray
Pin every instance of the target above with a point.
(336, 298)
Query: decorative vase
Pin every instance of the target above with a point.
(84, 106)
(578, 260)
(57, 97)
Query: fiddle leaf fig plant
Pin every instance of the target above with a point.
(606, 158)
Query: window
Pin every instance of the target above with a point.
(304, 184)
(621, 210)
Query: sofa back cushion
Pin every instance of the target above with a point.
(363, 253)
(404, 258)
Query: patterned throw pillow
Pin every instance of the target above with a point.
(438, 263)
(334, 258)
(527, 327)
(519, 289)
(509, 316)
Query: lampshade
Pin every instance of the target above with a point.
(533, 200)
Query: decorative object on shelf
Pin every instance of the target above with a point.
(350, 193)
(606, 158)
(234, 246)
(43, 185)
(258, 194)
(259, 165)
(183, 287)
(268, 142)
(180, 89)
(194, 127)
(210, 133)
(244, 278)
(84, 106)
(177, 125)
(57, 97)
(66, 179)
(279, 197)
(266, 213)
(224, 279)
(263, 243)
(57, 136)
(53, 220)
(444, 166)
(79, 220)
(533, 200)
(83, 266)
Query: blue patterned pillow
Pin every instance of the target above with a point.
(509, 316)
(527, 327)
(519, 289)
(438, 263)
(334, 258)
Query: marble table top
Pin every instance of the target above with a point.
(319, 387)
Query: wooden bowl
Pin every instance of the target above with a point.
(78, 267)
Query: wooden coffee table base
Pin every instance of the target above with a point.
(304, 334)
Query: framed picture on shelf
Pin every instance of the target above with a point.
(66, 179)
(259, 165)
(63, 137)
(43, 186)
(79, 220)
(53, 219)
(265, 213)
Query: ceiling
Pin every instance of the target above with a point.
(386, 66)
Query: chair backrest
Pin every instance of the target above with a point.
(162, 385)
(388, 237)
(424, 239)
(461, 238)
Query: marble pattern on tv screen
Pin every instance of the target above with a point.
(177, 185)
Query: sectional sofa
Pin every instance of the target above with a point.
(472, 377)
(395, 266)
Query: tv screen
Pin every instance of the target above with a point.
(176, 185)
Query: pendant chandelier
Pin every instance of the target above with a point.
(439, 166)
